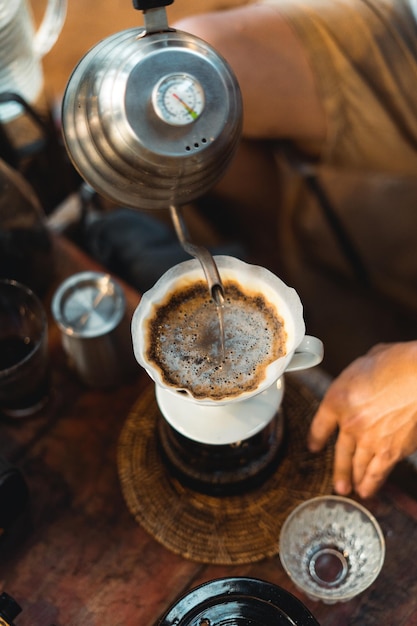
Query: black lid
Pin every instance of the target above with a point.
(9, 608)
(246, 601)
(145, 5)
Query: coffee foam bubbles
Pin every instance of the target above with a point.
(183, 340)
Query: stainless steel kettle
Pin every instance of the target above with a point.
(152, 116)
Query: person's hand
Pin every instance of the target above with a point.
(374, 404)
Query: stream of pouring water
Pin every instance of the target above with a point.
(210, 269)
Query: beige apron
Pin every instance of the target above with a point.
(348, 224)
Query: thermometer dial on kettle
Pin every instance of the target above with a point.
(178, 99)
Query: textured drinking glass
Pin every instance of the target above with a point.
(24, 380)
(22, 50)
(332, 548)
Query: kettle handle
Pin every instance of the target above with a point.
(145, 5)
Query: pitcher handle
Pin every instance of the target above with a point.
(50, 27)
(308, 353)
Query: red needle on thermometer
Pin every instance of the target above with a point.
(178, 99)
(190, 110)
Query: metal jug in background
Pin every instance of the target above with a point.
(22, 49)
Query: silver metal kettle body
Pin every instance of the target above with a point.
(152, 116)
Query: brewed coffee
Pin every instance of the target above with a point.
(184, 340)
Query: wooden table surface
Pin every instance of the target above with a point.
(84, 561)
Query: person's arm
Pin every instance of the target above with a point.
(278, 88)
(373, 403)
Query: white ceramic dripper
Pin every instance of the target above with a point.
(230, 419)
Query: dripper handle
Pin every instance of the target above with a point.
(308, 353)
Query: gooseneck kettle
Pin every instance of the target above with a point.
(152, 115)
